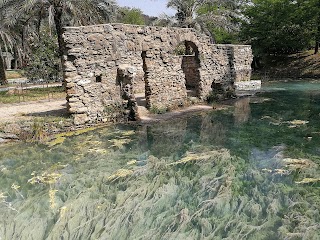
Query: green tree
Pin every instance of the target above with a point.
(280, 26)
(44, 60)
(316, 4)
(131, 16)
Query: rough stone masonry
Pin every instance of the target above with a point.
(106, 65)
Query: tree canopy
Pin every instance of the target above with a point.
(271, 26)
(131, 16)
(281, 26)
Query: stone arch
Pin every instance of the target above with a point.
(190, 66)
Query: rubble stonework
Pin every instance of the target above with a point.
(95, 55)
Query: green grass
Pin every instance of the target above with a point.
(12, 74)
(31, 95)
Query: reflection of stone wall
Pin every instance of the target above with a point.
(93, 55)
(167, 138)
(242, 111)
(212, 131)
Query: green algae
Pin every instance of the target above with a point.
(61, 137)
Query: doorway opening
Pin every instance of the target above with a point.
(143, 96)
(190, 66)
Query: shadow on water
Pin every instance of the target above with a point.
(249, 172)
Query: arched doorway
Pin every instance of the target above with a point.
(190, 66)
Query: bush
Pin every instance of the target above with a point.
(44, 62)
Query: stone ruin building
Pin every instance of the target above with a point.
(112, 67)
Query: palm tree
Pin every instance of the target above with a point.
(186, 11)
(21, 20)
(6, 39)
(317, 38)
(203, 14)
(65, 12)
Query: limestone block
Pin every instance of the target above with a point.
(70, 74)
(75, 104)
(69, 67)
(76, 51)
(73, 100)
(71, 91)
(80, 119)
(84, 81)
(108, 28)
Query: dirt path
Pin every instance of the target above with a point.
(27, 110)
(57, 108)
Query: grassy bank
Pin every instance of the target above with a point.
(36, 94)
(299, 65)
(13, 74)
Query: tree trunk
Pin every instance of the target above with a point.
(3, 78)
(58, 23)
(316, 48)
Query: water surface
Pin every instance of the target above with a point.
(248, 172)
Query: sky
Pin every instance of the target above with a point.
(148, 7)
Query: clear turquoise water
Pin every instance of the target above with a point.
(217, 175)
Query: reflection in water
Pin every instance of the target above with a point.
(213, 131)
(242, 110)
(199, 177)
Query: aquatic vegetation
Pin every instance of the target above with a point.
(276, 171)
(2, 197)
(128, 133)
(298, 163)
(121, 173)
(191, 157)
(297, 123)
(57, 140)
(119, 143)
(61, 137)
(309, 180)
(45, 178)
(213, 175)
(132, 162)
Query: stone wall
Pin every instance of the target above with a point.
(94, 54)
(248, 85)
